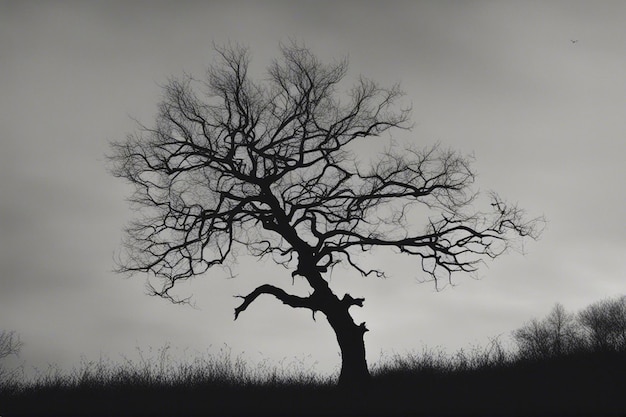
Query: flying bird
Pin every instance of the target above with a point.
(573, 40)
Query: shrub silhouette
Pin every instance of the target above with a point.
(555, 335)
(10, 344)
(604, 324)
(599, 327)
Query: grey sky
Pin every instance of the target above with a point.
(544, 117)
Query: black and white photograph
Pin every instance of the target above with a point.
(312, 208)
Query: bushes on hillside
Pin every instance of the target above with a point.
(604, 324)
(599, 327)
(10, 344)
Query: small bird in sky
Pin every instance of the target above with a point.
(573, 40)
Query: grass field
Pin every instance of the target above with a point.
(487, 382)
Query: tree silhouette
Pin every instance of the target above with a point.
(10, 344)
(555, 335)
(272, 166)
(605, 324)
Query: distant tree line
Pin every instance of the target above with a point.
(10, 344)
(599, 327)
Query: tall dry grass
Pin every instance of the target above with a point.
(485, 380)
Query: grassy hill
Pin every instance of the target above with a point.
(485, 382)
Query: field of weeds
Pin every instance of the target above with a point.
(483, 381)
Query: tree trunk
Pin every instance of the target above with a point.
(354, 372)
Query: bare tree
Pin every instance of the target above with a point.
(605, 323)
(271, 166)
(564, 331)
(10, 343)
(555, 335)
(533, 339)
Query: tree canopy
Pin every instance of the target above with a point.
(268, 165)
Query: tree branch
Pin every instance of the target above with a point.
(350, 301)
(291, 300)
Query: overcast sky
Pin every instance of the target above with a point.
(545, 118)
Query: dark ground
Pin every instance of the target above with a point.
(584, 384)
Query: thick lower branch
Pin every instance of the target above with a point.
(290, 300)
